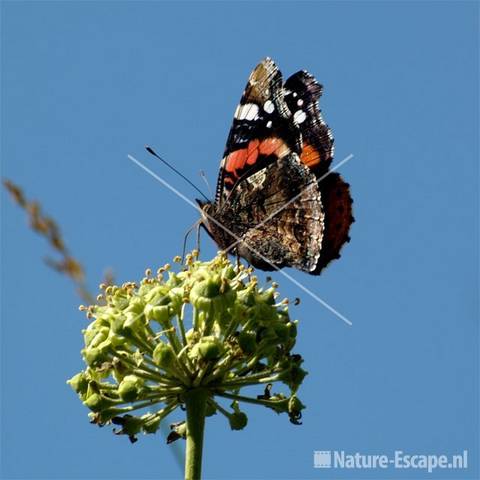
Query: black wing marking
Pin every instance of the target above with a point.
(302, 93)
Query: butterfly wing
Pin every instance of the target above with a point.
(302, 93)
(337, 205)
(280, 232)
(262, 129)
(278, 148)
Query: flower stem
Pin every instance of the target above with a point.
(195, 403)
(255, 401)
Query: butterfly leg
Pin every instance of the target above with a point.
(185, 238)
(237, 255)
(198, 225)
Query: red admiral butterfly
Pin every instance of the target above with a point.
(278, 155)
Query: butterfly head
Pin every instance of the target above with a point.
(213, 222)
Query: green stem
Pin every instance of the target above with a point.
(195, 403)
(251, 380)
(182, 326)
(254, 401)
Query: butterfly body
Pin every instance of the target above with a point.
(270, 204)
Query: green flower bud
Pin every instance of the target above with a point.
(117, 324)
(151, 423)
(292, 328)
(120, 300)
(228, 272)
(173, 280)
(247, 341)
(116, 340)
(130, 426)
(133, 322)
(209, 288)
(267, 335)
(268, 296)
(130, 387)
(210, 348)
(79, 383)
(247, 297)
(160, 314)
(282, 331)
(238, 420)
(136, 305)
(101, 418)
(202, 303)
(103, 319)
(164, 356)
(214, 292)
(97, 402)
(93, 337)
(94, 356)
(294, 376)
(295, 405)
(151, 293)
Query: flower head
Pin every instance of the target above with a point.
(207, 326)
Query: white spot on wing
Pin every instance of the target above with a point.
(258, 178)
(249, 111)
(299, 102)
(299, 116)
(269, 124)
(268, 106)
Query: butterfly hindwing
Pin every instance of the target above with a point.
(291, 237)
(337, 204)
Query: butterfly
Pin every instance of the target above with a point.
(276, 202)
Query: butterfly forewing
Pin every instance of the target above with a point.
(262, 130)
(302, 93)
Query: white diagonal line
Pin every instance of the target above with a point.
(276, 212)
(213, 220)
(164, 183)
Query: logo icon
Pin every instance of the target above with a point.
(322, 459)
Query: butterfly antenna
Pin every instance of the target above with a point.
(204, 177)
(152, 152)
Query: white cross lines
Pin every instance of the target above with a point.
(238, 239)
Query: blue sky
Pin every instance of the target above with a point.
(86, 83)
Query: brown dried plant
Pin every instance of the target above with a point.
(46, 227)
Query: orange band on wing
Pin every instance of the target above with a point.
(238, 159)
(310, 156)
(252, 152)
(271, 145)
